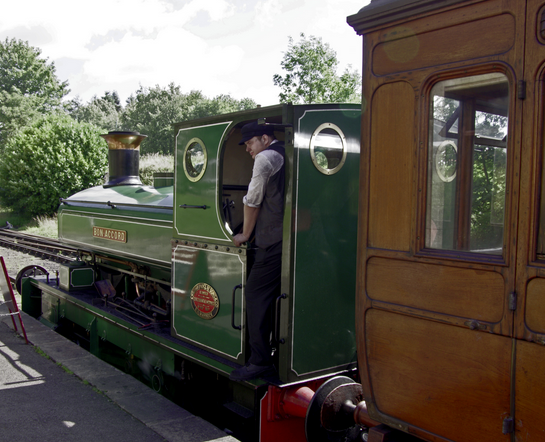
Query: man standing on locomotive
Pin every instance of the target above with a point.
(264, 210)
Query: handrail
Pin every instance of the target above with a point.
(189, 206)
(113, 205)
(236, 327)
(276, 333)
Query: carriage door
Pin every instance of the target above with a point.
(530, 288)
(470, 214)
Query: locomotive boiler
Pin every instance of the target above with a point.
(160, 284)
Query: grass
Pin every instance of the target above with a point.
(15, 219)
(154, 162)
(41, 352)
(66, 369)
(41, 225)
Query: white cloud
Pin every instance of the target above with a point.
(216, 46)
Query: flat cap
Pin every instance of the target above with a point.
(254, 129)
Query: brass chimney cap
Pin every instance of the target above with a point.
(124, 140)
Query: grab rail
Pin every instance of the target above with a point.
(236, 327)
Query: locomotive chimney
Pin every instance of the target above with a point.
(123, 157)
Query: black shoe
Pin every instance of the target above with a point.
(250, 371)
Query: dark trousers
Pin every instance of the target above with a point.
(262, 288)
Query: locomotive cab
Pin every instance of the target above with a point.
(311, 334)
(236, 172)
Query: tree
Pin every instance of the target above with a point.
(16, 110)
(29, 86)
(222, 104)
(153, 111)
(104, 112)
(311, 75)
(51, 158)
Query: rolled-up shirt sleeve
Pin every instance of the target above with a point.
(266, 164)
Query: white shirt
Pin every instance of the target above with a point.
(266, 164)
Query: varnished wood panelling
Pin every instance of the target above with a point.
(457, 291)
(391, 166)
(447, 380)
(535, 305)
(481, 38)
(530, 392)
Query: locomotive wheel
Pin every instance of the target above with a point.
(325, 420)
(26, 272)
(157, 381)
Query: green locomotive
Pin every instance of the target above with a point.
(161, 281)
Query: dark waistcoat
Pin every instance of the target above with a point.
(269, 221)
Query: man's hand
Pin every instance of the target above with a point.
(239, 239)
(250, 219)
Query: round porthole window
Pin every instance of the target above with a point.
(445, 160)
(195, 159)
(328, 148)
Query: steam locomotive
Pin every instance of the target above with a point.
(160, 280)
(447, 265)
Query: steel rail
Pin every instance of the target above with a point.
(46, 248)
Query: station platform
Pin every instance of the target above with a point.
(54, 390)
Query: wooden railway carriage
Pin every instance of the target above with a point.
(450, 306)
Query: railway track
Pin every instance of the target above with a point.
(45, 248)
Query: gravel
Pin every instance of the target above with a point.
(15, 261)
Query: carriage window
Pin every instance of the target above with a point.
(195, 159)
(467, 163)
(328, 148)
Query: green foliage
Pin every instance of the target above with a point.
(21, 69)
(15, 219)
(487, 208)
(311, 75)
(153, 111)
(53, 157)
(104, 112)
(152, 163)
(45, 226)
(29, 86)
(41, 352)
(16, 111)
(489, 182)
(222, 104)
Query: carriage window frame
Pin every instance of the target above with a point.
(473, 103)
(318, 157)
(188, 166)
(540, 28)
(539, 244)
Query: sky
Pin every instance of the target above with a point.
(216, 46)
